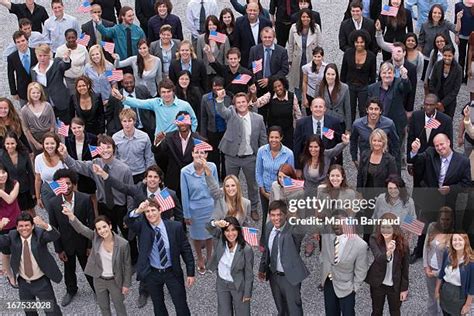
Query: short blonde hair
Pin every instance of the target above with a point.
(37, 86)
(43, 49)
(128, 114)
(383, 136)
(191, 48)
(387, 66)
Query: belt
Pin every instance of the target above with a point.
(169, 269)
(279, 273)
(244, 156)
(31, 281)
(107, 278)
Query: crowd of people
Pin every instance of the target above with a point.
(132, 139)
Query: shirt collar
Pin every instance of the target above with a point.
(428, 117)
(148, 192)
(450, 156)
(271, 47)
(285, 98)
(315, 121)
(27, 239)
(72, 200)
(161, 226)
(246, 116)
(187, 138)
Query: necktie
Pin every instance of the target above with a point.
(129, 42)
(336, 250)
(98, 36)
(288, 7)
(442, 171)
(202, 18)
(152, 196)
(25, 60)
(27, 264)
(109, 197)
(318, 129)
(274, 253)
(243, 141)
(161, 247)
(138, 123)
(268, 55)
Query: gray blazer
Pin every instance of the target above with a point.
(242, 265)
(340, 108)
(349, 274)
(233, 135)
(208, 112)
(220, 206)
(122, 265)
(155, 49)
(219, 54)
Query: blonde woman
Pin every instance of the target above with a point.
(229, 200)
(186, 59)
(37, 116)
(96, 69)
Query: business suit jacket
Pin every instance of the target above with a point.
(278, 64)
(70, 142)
(56, 90)
(179, 246)
(387, 167)
(39, 248)
(155, 48)
(232, 138)
(244, 38)
(121, 262)
(450, 85)
(378, 268)
(290, 242)
(18, 78)
(88, 28)
(208, 112)
(70, 241)
(21, 172)
(304, 128)
(374, 9)
(198, 73)
(241, 269)
(347, 27)
(396, 96)
(351, 270)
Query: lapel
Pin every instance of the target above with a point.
(311, 37)
(237, 257)
(281, 240)
(450, 168)
(115, 252)
(436, 161)
(171, 237)
(347, 249)
(34, 245)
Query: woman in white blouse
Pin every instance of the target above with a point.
(146, 67)
(396, 200)
(313, 73)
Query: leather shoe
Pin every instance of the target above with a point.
(413, 258)
(67, 299)
(142, 300)
(254, 215)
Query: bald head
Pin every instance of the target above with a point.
(252, 11)
(442, 145)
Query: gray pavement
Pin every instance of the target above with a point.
(202, 296)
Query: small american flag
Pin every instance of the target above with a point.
(108, 46)
(328, 133)
(58, 187)
(433, 123)
(291, 185)
(241, 79)
(63, 129)
(165, 200)
(183, 119)
(218, 37)
(201, 145)
(114, 75)
(412, 225)
(95, 150)
(250, 235)
(85, 7)
(389, 11)
(257, 65)
(83, 39)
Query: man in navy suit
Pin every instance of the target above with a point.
(315, 124)
(355, 22)
(162, 242)
(247, 31)
(90, 28)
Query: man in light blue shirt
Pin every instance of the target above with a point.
(56, 25)
(423, 8)
(34, 38)
(166, 107)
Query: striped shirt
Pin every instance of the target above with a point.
(267, 167)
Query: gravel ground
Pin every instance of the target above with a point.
(202, 297)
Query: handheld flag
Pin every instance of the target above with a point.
(412, 225)
(165, 200)
(291, 185)
(433, 123)
(389, 11)
(257, 66)
(183, 119)
(83, 39)
(328, 133)
(241, 79)
(58, 187)
(85, 7)
(201, 145)
(218, 37)
(250, 235)
(95, 150)
(108, 46)
(114, 75)
(63, 129)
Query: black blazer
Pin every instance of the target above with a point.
(39, 248)
(108, 7)
(350, 72)
(94, 118)
(179, 246)
(374, 10)
(198, 73)
(244, 38)
(304, 128)
(88, 28)
(22, 172)
(70, 241)
(378, 268)
(346, 28)
(387, 167)
(70, 142)
(18, 78)
(450, 85)
(278, 63)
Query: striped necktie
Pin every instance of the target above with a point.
(336, 250)
(161, 247)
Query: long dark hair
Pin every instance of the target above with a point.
(397, 235)
(332, 191)
(234, 222)
(407, 36)
(430, 14)
(20, 147)
(305, 156)
(400, 20)
(215, 21)
(283, 81)
(180, 93)
(316, 50)
(434, 56)
(9, 184)
(221, 19)
(140, 60)
(324, 84)
(299, 24)
(398, 181)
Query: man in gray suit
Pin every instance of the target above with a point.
(245, 133)
(345, 266)
(281, 262)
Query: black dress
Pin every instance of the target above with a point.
(280, 113)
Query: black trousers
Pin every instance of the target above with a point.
(264, 201)
(70, 278)
(39, 289)
(463, 46)
(378, 295)
(334, 305)
(175, 284)
(216, 156)
(282, 30)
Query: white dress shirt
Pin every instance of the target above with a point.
(315, 125)
(193, 12)
(225, 263)
(247, 125)
(255, 27)
(452, 276)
